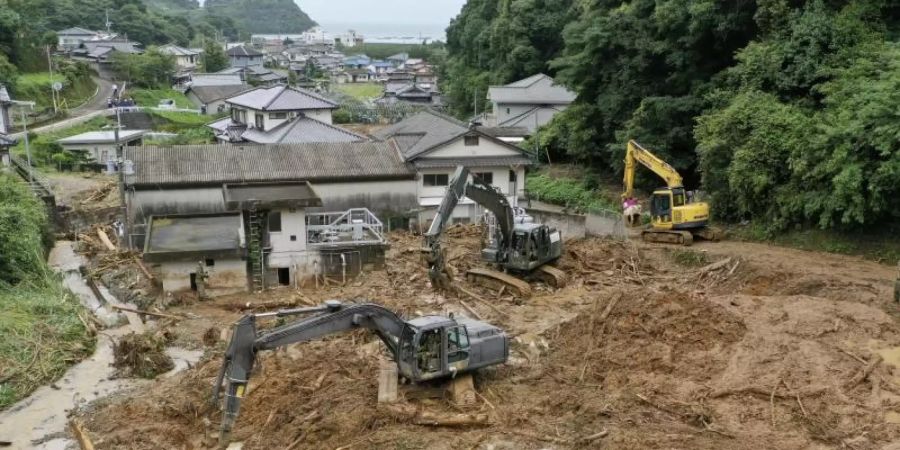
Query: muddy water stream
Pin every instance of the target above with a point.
(39, 421)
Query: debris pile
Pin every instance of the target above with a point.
(142, 355)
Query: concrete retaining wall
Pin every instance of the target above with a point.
(570, 225)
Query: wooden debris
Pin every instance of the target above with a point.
(865, 372)
(271, 304)
(105, 239)
(450, 420)
(144, 268)
(149, 313)
(80, 435)
(595, 436)
(536, 437)
(758, 391)
(715, 266)
(471, 310)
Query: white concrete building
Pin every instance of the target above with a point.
(434, 144)
(101, 145)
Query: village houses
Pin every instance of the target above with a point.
(530, 103)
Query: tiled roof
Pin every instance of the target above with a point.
(75, 31)
(505, 131)
(537, 89)
(215, 79)
(214, 165)
(528, 118)
(301, 130)
(434, 128)
(242, 50)
(282, 98)
(172, 49)
(209, 94)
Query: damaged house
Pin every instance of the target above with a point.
(245, 217)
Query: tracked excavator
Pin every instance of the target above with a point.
(674, 217)
(516, 246)
(424, 348)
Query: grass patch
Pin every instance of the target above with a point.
(44, 146)
(41, 335)
(152, 97)
(36, 87)
(360, 91)
(689, 258)
(565, 191)
(882, 246)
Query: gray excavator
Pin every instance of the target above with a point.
(516, 246)
(424, 348)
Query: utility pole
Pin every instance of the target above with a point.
(25, 132)
(52, 90)
(475, 100)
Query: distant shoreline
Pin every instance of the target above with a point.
(377, 33)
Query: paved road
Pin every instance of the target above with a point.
(98, 102)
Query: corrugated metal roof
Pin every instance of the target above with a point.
(175, 50)
(76, 31)
(537, 89)
(433, 163)
(282, 98)
(101, 137)
(215, 79)
(234, 163)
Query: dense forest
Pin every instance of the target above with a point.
(784, 111)
(263, 16)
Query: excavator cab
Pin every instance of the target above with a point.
(432, 347)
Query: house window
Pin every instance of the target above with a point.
(435, 179)
(513, 177)
(278, 115)
(507, 110)
(210, 262)
(483, 177)
(275, 222)
(471, 141)
(260, 122)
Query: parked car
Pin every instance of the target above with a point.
(166, 104)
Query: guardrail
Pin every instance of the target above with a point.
(356, 226)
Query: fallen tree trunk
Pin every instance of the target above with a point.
(80, 435)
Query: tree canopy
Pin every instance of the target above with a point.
(779, 109)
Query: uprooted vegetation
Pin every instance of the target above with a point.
(639, 351)
(142, 355)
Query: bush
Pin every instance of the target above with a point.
(24, 231)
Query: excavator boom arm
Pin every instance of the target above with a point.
(634, 153)
(240, 355)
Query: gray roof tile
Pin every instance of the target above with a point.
(282, 98)
(214, 165)
(301, 130)
(537, 89)
(242, 50)
(209, 94)
(433, 128)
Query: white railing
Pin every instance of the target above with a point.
(354, 226)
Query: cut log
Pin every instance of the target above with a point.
(80, 435)
(462, 390)
(450, 420)
(144, 268)
(471, 310)
(387, 382)
(865, 372)
(715, 266)
(105, 239)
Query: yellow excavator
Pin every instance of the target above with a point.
(674, 217)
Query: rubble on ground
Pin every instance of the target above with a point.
(637, 351)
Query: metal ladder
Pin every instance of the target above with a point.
(255, 247)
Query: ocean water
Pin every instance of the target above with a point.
(379, 32)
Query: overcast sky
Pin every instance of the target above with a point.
(382, 11)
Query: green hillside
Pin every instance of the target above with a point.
(263, 16)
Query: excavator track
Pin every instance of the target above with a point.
(551, 276)
(496, 280)
(680, 237)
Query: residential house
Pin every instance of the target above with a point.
(398, 60)
(101, 52)
(186, 61)
(212, 99)
(528, 103)
(280, 114)
(101, 146)
(297, 211)
(328, 62)
(425, 75)
(185, 58)
(244, 56)
(434, 144)
(410, 92)
(353, 76)
(356, 62)
(72, 38)
(258, 75)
